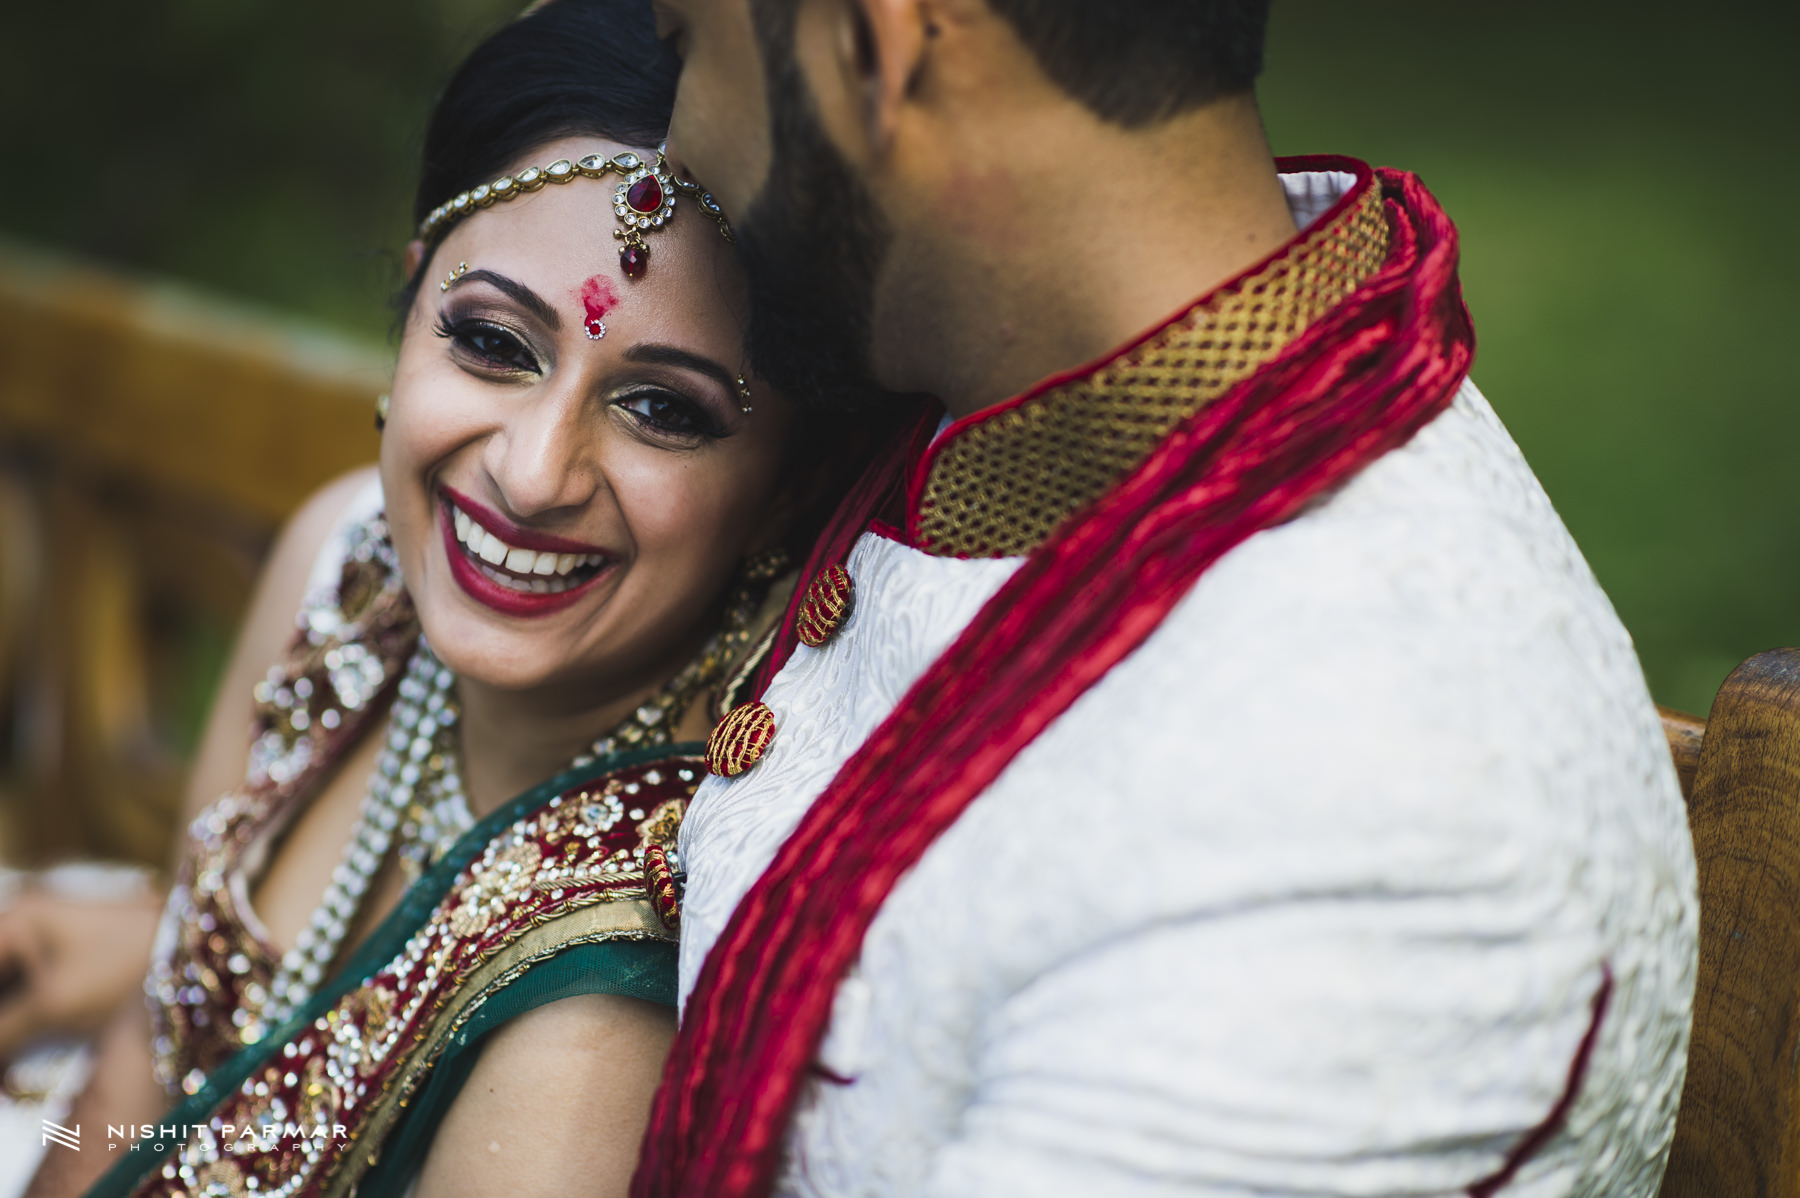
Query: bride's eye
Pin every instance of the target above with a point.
(487, 344)
(669, 414)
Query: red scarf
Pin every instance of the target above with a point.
(1359, 382)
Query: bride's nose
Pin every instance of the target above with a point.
(544, 457)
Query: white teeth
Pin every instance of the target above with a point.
(539, 586)
(546, 571)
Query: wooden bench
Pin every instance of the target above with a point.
(150, 443)
(1738, 1131)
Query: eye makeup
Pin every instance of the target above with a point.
(487, 343)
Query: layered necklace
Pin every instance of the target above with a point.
(416, 793)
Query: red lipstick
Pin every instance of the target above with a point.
(512, 534)
(478, 578)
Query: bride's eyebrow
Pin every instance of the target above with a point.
(524, 296)
(668, 355)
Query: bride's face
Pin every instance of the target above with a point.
(567, 510)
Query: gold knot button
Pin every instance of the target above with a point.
(660, 885)
(740, 740)
(826, 606)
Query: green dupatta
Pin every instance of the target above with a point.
(632, 967)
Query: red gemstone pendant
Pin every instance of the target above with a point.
(633, 259)
(646, 195)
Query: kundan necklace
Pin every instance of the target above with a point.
(417, 790)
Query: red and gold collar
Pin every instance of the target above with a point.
(998, 483)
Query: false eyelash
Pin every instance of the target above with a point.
(457, 332)
(705, 424)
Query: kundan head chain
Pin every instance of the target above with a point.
(643, 200)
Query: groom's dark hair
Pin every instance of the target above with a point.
(1135, 62)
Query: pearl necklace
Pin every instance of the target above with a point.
(415, 779)
(417, 789)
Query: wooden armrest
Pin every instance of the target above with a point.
(1684, 732)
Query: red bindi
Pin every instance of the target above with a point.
(597, 299)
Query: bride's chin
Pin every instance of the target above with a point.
(494, 658)
(490, 649)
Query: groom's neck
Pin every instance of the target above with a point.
(1052, 238)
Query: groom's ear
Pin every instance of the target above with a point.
(864, 59)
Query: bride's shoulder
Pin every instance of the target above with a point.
(296, 559)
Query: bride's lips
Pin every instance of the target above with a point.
(514, 570)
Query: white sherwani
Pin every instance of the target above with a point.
(1313, 894)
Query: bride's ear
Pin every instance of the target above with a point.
(414, 256)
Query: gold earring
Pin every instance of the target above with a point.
(381, 410)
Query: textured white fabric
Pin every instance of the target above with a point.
(1312, 894)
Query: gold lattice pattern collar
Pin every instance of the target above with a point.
(999, 483)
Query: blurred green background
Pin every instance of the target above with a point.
(1621, 173)
(1623, 176)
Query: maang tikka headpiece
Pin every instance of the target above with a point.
(643, 200)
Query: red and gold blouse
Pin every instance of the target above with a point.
(210, 974)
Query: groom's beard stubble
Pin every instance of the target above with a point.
(811, 243)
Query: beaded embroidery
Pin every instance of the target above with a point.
(215, 986)
(571, 872)
(210, 977)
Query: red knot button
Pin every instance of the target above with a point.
(740, 740)
(659, 883)
(826, 606)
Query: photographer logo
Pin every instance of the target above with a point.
(56, 1133)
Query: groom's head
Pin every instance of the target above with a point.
(852, 142)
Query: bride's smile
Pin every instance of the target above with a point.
(535, 572)
(566, 507)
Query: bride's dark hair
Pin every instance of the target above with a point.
(569, 68)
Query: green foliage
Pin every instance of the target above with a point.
(264, 149)
(1621, 177)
